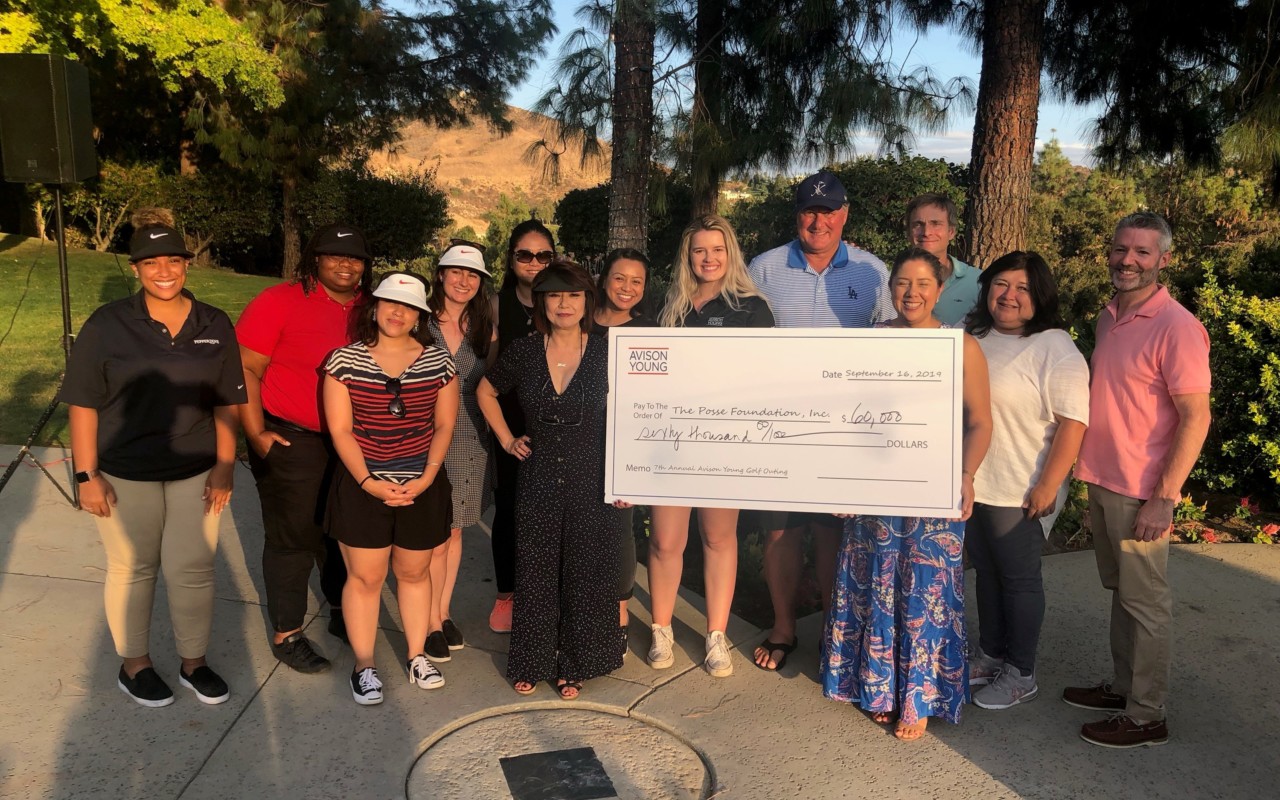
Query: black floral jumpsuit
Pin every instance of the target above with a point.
(565, 619)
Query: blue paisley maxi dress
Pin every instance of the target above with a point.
(895, 638)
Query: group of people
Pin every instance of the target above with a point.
(380, 421)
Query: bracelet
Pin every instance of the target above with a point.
(362, 480)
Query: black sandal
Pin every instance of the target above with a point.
(781, 647)
(575, 685)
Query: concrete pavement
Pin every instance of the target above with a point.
(67, 731)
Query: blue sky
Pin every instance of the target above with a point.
(946, 54)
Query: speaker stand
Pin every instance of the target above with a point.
(73, 497)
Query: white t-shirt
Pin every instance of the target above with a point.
(1034, 379)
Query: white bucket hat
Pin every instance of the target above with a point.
(466, 257)
(403, 288)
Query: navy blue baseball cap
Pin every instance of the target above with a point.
(821, 190)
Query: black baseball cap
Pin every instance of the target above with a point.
(157, 240)
(340, 240)
(821, 190)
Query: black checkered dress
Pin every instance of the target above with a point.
(468, 463)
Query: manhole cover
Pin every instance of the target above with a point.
(558, 754)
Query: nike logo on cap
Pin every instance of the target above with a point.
(344, 235)
(158, 235)
(404, 282)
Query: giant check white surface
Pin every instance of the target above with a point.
(851, 421)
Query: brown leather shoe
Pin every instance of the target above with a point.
(1095, 698)
(1122, 732)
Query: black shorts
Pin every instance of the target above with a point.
(358, 519)
(786, 520)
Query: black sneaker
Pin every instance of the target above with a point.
(146, 688)
(338, 626)
(209, 688)
(365, 687)
(452, 635)
(438, 648)
(296, 652)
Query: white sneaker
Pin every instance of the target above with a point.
(1008, 690)
(365, 687)
(718, 661)
(424, 673)
(983, 669)
(660, 652)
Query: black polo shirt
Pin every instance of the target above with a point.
(154, 394)
(752, 312)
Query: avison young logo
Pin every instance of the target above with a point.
(647, 360)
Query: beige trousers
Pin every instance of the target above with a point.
(159, 526)
(1141, 603)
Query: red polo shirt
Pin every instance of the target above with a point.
(297, 331)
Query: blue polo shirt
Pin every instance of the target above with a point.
(852, 292)
(959, 293)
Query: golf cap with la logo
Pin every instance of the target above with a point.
(156, 240)
(821, 190)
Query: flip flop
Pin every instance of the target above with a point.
(781, 647)
(576, 685)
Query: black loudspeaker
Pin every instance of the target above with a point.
(46, 134)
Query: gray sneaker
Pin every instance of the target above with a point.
(1008, 690)
(983, 669)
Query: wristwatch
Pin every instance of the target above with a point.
(85, 477)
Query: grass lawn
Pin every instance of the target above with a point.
(31, 321)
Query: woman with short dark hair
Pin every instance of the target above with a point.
(895, 637)
(1040, 409)
(565, 620)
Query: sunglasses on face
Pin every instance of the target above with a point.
(542, 256)
(396, 407)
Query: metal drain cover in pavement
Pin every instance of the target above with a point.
(558, 754)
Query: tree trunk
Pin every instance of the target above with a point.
(1004, 129)
(187, 157)
(632, 125)
(292, 226)
(706, 117)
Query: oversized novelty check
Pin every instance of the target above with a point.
(845, 421)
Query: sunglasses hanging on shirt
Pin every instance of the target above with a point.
(396, 407)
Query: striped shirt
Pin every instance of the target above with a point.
(394, 448)
(852, 292)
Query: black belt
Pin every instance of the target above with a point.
(287, 425)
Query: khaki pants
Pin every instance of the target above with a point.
(1141, 603)
(159, 526)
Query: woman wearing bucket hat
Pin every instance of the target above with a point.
(461, 321)
(285, 333)
(390, 401)
(565, 621)
(152, 386)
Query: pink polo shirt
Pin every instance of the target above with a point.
(297, 331)
(1141, 361)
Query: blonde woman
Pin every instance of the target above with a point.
(710, 287)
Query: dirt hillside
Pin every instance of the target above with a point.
(474, 165)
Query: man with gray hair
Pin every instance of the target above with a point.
(1148, 418)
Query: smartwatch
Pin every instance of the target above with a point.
(85, 477)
